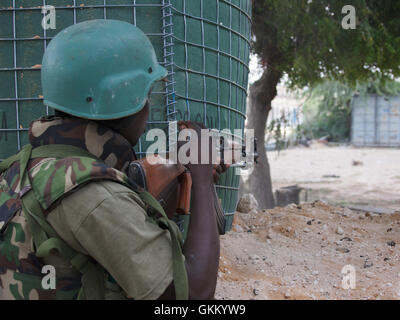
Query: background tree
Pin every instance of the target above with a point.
(304, 40)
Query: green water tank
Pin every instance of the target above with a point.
(204, 45)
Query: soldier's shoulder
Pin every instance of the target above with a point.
(102, 197)
(53, 179)
(98, 191)
(109, 188)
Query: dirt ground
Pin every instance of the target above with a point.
(341, 175)
(299, 252)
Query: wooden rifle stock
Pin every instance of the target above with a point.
(171, 185)
(163, 179)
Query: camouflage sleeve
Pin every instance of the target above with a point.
(104, 220)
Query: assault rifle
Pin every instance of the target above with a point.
(171, 183)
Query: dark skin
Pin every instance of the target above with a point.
(201, 249)
(131, 127)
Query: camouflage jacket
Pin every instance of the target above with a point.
(51, 180)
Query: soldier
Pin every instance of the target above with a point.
(65, 201)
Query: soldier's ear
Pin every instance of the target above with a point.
(149, 95)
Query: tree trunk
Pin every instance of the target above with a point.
(262, 92)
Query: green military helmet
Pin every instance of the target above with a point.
(99, 70)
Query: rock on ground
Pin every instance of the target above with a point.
(247, 204)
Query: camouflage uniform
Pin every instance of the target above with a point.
(84, 219)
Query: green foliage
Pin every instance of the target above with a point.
(305, 39)
(327, 108)
(378, 86)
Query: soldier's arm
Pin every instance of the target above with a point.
(201, 249)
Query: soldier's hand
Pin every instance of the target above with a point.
(201, 173)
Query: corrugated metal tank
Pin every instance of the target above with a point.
(204, 44)
(375, 121)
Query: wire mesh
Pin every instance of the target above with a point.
(204, 45)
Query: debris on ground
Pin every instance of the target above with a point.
(247, 204)
(357, 163)
(331, 176)
(287, 195)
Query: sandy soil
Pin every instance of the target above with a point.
(299, 252)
